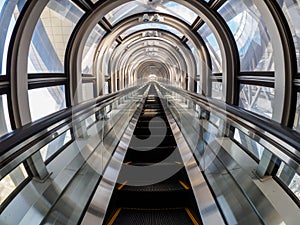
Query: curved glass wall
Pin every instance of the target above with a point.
(217, 90)
(213, 47)
(250, 34)
(44, 101)
(90, 48)
(195, 54)
(297, 116)
(257, 99)
(9, 13)
(138, 6)
(51, 36)
(151, 26)
(291, 10)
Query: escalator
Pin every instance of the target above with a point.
(152, 187)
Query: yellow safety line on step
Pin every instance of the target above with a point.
(128, 162)
(191, 216)
(122, 185)
(186, 187)
(112, 220)
(179, 163)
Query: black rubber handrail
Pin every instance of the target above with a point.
(20, 135)
(285, 134)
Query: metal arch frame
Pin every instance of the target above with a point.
(214, 20)
(206, 71)
(139, 51)
(136, 37)
(133, 68)
(145, 65)
(123, 49)
(228, 47)
(158, 59)
(123, 53)
(17, 72)
(175, 73)
(178, 54)
(17, 60)
(140, 54)
(284, 76)
(169, 20)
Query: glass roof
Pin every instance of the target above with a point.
(291, 9)
(151, 26)
(250, 33)
(90, 48)
(140, 6)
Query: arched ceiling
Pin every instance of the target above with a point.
(219, 48)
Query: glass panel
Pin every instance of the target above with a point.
(167, 7)
(106, 89)
(11, 181)
(196, 56)
(297, 116)
(151, 26)
(180, 11)
(217, 90)
(44, 101)
(257, 99)
(291, 9)
(88, 91)
(48, 150)
(9, 13)
(251, 34)
(213, 48)
(290, 178)
(248, 143)
(90, 48)
(5, 126)
(51, 36)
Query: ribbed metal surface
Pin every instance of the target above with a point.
(143, 195)
(157, 217)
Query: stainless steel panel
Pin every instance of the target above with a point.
(96, 211)
(208, 209)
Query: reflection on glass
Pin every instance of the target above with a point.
(195, 54)
(290, 178)
(257, 99)
(51, 36)
(48, 150)
(90, 48)
(248, 143)
(217, 90)
(213, 48)
(5, 126)
(297, 115)
(11, 181)
(291, 9)
(166, 7)
(250, 33)
(44, 101)
(88, 91)
(151, 26)
(9, 13)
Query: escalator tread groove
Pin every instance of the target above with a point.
(173, 216)
(149, 202)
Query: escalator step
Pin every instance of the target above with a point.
(174, 186)
(133, 216)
